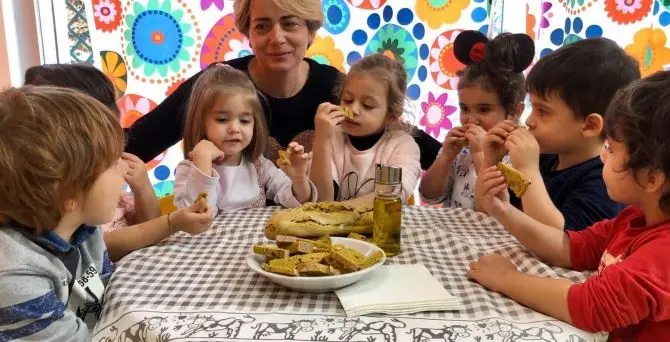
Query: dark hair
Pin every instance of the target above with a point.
(639, 116)
(496, 65)
(585, 74)
(83, 77)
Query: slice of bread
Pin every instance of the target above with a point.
(515, 180)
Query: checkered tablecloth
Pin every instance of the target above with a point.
(200, 287)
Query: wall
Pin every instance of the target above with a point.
(148, 69)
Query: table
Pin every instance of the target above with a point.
(199, 288)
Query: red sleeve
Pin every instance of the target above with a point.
(588, 245)
(627, 293)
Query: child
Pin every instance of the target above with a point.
(346, 150)
(60, 175)
(490, 90)
(139, 214)
(630, 294)
(224, 139)
(569, 91)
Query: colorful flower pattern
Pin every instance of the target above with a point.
(107, 14)
(159, 39)
(115, 68)
(324, 51)
(436, 114)
(627, 11)
(649, 48)
(439, 12)
(149, 47)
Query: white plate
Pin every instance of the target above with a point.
(321, 284)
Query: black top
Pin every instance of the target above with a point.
(161, 128)
(578, 192)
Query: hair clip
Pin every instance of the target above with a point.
(470, 47)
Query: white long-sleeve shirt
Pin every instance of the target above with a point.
(232, 188)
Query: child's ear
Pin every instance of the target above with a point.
(593, 125)
(654, 181)
(70, 205)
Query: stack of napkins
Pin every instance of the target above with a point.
(397, 290)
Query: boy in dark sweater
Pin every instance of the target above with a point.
(559, 150)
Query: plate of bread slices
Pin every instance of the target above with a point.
(323, 264)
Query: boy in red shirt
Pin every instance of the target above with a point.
(629, 297)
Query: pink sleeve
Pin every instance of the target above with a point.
(407, 156)
(624, 294)
(189, 182)
(278, 185)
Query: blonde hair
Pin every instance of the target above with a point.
(55, 143)
(216, 81)
(393, 74)
(308, 10)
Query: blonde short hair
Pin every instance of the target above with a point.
(216, 81)
(55, 143)
(309, 10)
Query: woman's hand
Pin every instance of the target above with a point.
(328, 116)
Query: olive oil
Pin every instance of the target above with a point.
(387, 209)
(387, 216)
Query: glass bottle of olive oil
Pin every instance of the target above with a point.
(387, 209)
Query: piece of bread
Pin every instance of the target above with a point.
(357, 236)
(348, 113)
(514, 179)
(314, 220)
(283, 158)
(301, 247)
(281, 266)
(373, 258)
(202, 195)
(464, 142)
(271, 252)
(315, 269)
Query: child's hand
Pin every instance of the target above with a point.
(523, 150)
(190, 220)
(491, 271)
(136, 176)
(493, 145)
(453, 143)
(475, 135)
(328, 116)
(491, 192)
(205, 150)
(300, 162)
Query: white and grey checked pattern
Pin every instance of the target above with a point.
(209, 271)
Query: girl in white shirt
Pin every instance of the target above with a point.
(346, 150)
(224, 139)
(491, 89)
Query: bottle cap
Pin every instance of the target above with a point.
(385, 174)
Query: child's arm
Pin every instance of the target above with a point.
(297, 173)
(525, 154)
(146, 203)
(194, 219)
(279, 187)
(328, 116)
(548, 296)
(190, 182)
(549, 244)
(435, 180)
(31, 310)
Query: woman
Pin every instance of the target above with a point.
(280, 31)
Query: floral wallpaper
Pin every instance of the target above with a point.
(148, 47)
